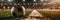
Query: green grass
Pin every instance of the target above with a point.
(6, 15)
(50, 13)
(54, 15)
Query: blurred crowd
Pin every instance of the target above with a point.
(53, 5)
(31, 5)
(26, 5)
(6, 6)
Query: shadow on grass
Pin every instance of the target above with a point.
(10, 18)
(53, 18)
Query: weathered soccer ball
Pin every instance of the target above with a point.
(18, 11)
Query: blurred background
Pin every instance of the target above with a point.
(37, 4)
(49, 8)
(26, 3)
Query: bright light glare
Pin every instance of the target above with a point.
(10, 0)
(35, 0)
(23, 0)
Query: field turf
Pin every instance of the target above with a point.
(52, 15)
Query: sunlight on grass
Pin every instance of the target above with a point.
(4, 14)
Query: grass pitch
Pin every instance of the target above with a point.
(6, 14)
